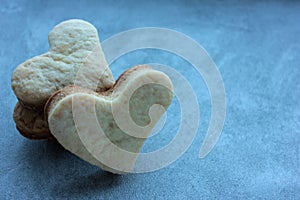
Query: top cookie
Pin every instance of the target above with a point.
(75, 57)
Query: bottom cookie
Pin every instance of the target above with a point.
(31, 123)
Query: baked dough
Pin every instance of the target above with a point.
(31, 123)
(75, 57)
(97, 127)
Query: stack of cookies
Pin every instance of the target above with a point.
(69, 94)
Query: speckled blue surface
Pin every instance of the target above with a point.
(255, 45)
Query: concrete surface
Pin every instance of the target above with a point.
(255, 45)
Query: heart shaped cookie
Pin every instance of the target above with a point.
(74, 44)
(108, 129)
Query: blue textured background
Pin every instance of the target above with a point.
(255, 45)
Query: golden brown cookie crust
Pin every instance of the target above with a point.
(31, 123)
